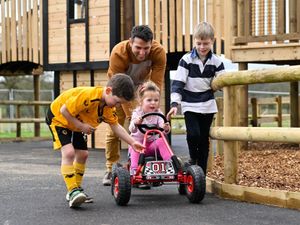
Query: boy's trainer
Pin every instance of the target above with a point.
(77, 197)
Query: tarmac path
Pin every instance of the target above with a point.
(33, 193)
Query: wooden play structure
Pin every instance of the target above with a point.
(74, 39)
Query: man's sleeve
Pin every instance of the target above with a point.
(116, 64)
(159, 68)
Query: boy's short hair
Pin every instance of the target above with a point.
(204, 30)
(122, 86)
(143, 32)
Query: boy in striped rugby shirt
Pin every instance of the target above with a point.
(191, 88)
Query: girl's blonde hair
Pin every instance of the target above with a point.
(147, 86)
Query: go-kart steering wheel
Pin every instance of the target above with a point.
(144, 127)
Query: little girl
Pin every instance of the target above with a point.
(149, 95)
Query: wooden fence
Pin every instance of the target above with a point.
(18, 120)
(232, 114)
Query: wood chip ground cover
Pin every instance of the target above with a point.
(266, 165)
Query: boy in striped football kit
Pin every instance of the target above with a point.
(191, 88)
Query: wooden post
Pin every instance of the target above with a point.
(18, 115)
(254, 121)
(210, 160)
(294, 105)
(230, 147)
(219, 123)
(242, 97)
(230, 27)
(279, 110)
(36, 81)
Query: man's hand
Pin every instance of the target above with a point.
(167, 127)
(138, 147)
(173, 111)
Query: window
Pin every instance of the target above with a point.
(77, 9)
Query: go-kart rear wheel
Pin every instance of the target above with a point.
(196, 185)
(121, 186)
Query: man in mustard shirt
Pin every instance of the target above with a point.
(75, 114)
(143, 59)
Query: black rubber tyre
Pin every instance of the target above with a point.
(196, 185)
(121, 186)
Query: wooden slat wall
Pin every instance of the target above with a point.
(57, 33)
(171, 27)
(99, 30)
(21, 30)
(77, 37)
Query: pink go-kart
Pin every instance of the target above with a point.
(154, 171)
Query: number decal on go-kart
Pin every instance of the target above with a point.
(159, 168)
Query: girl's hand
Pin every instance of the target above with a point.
(87, 129)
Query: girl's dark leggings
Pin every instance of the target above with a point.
(197, 127)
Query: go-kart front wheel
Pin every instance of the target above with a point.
(121, 186)
(196, 185)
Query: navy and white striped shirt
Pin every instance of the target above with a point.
(191, 86)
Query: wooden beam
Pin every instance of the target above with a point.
(157, 21)
(25, 31)
(179, 33)
(272, 134)
(292, 15)
(262, 38)
(165, 25)
(172, 25)
(187, 36)
(35, 30)
(13, 31)
(261, 53)
(282, 74)
(151, 14)
(8, 32)
(3, 34)
(128, 16)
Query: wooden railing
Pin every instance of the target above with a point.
(258, 116)
(18, 120)
(262, 21)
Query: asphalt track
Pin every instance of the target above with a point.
(33, 193)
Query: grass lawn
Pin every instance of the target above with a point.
(27, 131)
